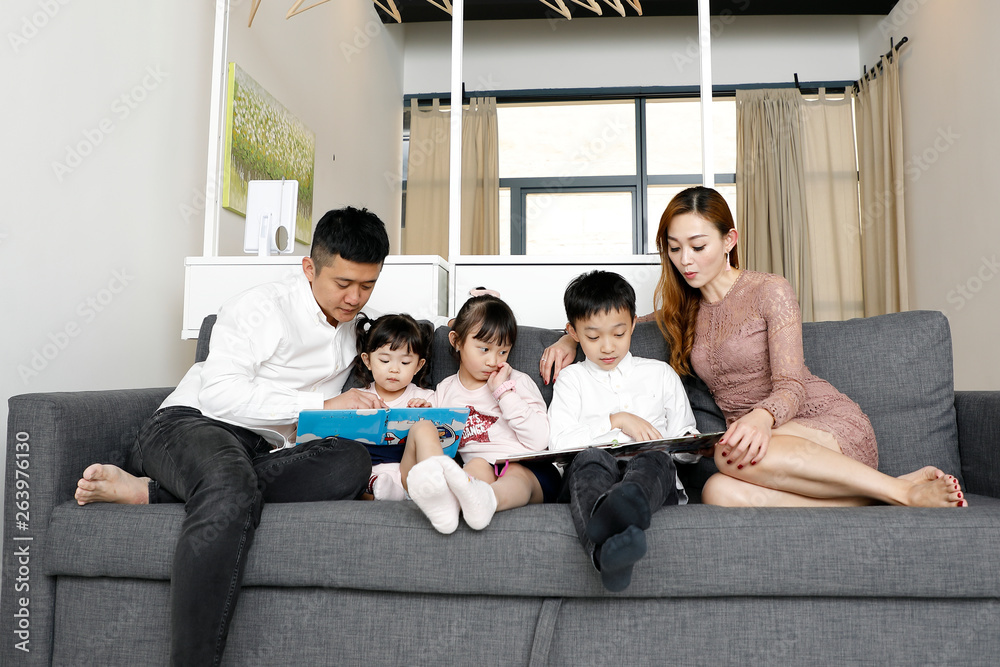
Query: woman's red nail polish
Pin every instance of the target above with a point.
(729, 462)
(739, 467)
(753, 463)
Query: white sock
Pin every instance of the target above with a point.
(387, 488)
(430, 492)
(476, 497)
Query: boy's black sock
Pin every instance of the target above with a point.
(625, 505)
(618, 555)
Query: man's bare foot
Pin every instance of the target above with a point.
(925, 474)
(105, 483)
(940, 492)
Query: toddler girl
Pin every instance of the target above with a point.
(393, 352)
(507, 415)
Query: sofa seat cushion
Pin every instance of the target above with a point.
(694, 551)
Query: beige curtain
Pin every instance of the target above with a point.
(770, 188)
(830, 169)
(880, 165)
(426, 230)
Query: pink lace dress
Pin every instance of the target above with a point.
(748, 350)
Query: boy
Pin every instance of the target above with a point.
(614, 396)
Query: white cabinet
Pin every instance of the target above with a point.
(533, 285)
(415, 284)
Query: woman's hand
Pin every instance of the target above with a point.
(634, 426)
(745, 441)
(499, 376)
(418, 403)
(556, 357)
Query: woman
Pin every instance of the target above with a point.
(792, 440)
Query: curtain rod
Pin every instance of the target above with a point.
(892, 50)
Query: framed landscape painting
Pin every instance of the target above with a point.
(264, 141)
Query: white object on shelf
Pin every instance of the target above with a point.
(270, 225)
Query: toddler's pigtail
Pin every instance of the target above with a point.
(423, 377)
(362, 376)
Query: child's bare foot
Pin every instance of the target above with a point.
(940, 492)
(105, 483)
(925, 474)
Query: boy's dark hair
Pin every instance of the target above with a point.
(494, 318)
(597, 292)
(396, 331)
(357, 235)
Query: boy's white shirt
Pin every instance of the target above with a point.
(585, 396)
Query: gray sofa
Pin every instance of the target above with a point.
(363, 583)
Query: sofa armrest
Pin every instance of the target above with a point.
(978, 414)
(51, 438)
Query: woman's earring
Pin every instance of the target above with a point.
(729, 267)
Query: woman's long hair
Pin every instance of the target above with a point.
(676, 302)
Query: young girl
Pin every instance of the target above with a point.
(507, 415)
(393, 352)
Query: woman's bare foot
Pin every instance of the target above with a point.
(105, 483)
(925, 474)
(939, 492)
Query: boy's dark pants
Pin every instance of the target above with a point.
(594, 472)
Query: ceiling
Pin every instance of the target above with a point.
(418, 11)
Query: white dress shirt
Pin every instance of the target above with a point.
(272, 354)
(585, 396)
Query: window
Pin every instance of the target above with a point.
(592, 178)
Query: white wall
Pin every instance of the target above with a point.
(652, 51)
(104, 133)
(339, 71)
(950, 93)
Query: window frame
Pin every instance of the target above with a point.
(637, 184)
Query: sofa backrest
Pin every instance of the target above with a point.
(897, 367)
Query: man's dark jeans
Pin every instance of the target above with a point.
(223, 474)
(594, 472)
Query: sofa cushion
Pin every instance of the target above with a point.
(694, 550)
(898, 368)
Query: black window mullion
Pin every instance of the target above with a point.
(641, 200)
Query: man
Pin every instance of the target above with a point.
(222, 442)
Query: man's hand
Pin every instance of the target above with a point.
(354, 399)
(634, 426)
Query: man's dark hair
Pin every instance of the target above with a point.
(597, 292)
(357, 235)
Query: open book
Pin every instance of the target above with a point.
(690, 444)
(387, 426)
